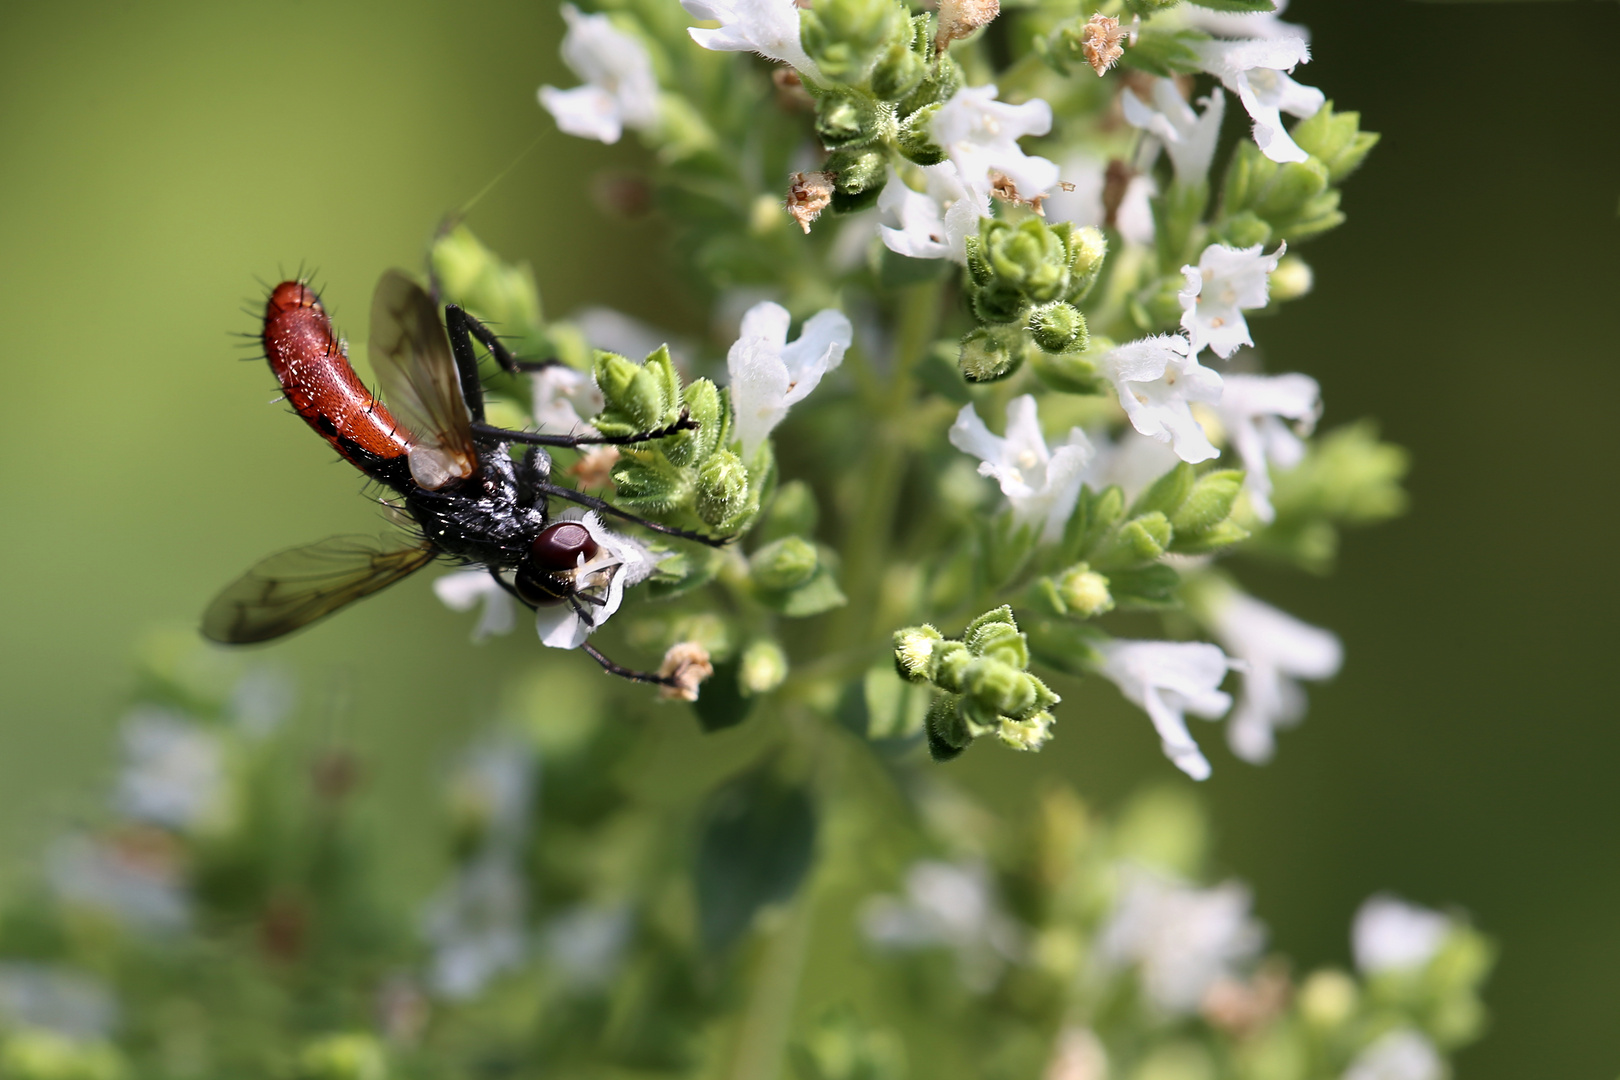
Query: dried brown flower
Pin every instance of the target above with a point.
(1100, 38)
(595, 468)
(1244, 1008)
(808, 195)
(686, 665)
(959, 18)
(1116, 179)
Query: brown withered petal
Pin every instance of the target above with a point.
(1100, 39)
(959, 18)
(686, 664)
(595, 468)
(808, 195)
(1116, 178)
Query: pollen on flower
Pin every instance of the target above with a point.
(595, 469)
(959, 18)
(808, 195)
(1100, 38)
(686, 665)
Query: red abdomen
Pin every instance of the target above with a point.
(315, 375)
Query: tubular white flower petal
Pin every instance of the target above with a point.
(1168, 679)
(1260, 24)
(767, 27)
(587, 112)
(935, 224)
(1256, 71)
(620, 88)
(980, 134)
(1249, 410)
(1157, 379)
(1225, 282)
(1188, 137)
(1041, 485)
(561, 395)
(1277, 650)
(1391, 935)
(462, 590)
(1403, 1054)
(768, 375)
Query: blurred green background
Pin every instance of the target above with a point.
(158, 157)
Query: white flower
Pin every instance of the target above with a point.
(935, 224)
(1256, 24)
(767, 27)
(493, 786)
(1392, 935)
(1181, 939)
(562, 396)
(613, 330)
(1225, 281)
(949, 905)
(769, 374)
(476, 927)
(1188, 137)
(174, 771)
(1257, 72)
(1276, 650)
(1169, 679)
(1132, 461)
(1158, 379)
(54, 998)
(1081, 202)
(620, 90)
(980, 134)
(1042, 485)
(1252, 409)
(1403, 1054)
(136, 883)
(585, 945)
(599, 583)
(461, 590)
(1134, 218)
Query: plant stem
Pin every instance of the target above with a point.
(762, 1039)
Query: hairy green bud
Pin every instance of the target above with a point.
(915, 138)
(783, 564)
(500, 293)
(845, 37)
(1058, 327)
(1336, 140)
(988, 354)
(914, 650)
(631, 391)
(722, 489)
(1088, 250)
(903, 65)
(998, 641)
(1030, 734)
(858, 177)
(1029, 256)
(761, 668)
(1083, 591)
(999, 687)
(947, 663)
(948, 733)
(848, 118)
(944, 78)
(1208, 503)
(702, 399)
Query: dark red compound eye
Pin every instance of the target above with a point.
(559, 546)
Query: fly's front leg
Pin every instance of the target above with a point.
(535, 438)
(608, 508)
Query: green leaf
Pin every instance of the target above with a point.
(1236, 5)
(754, 848)
(1164, 52)
(818, 594)
(1150, 588)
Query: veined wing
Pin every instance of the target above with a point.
(293, 588)
(419, 381)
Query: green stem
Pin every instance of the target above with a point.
(762, 1039)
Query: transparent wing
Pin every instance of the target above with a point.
(419, 381)
(293, 588)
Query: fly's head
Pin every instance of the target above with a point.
(566, 560)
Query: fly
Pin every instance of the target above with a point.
(466, 497)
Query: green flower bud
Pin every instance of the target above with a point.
(1088, 250)
(635, 394)
(475, 277)
(999, 687)
(38, 1054)
(1030, 734)
(946, 665)
(702, 399)
(783, 564)
(1292, 279)
(1336, 140)
(845, 37)
(1245, 230)
(998, 641)
(900, 69)
(1327, 1000)
(1167, 493)
(1208, 503)
(1058, 327)
(913, 651)
(948, 733)
(761, 668)
(648, 482)
(1084, 592)
(722, 489)
(1138, 541)
(343, 1057)
(991, 354)
(944, 78)
(1148, 7)
(1028, 256)
(915, 139)
(858, 177)
(1075, 371)
(847, 119)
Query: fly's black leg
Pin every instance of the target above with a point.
(608, 508)
(623, 672)
(472, 390)
(533, 472)
(534, 438)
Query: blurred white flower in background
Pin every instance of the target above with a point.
(620, 89)
(174, 772)
(1392, 935)
(1169, 679)
(464, 589)
(947, 905)
(1186, 135)
(1403, 1054)
(767, 27)
(1253, 409)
